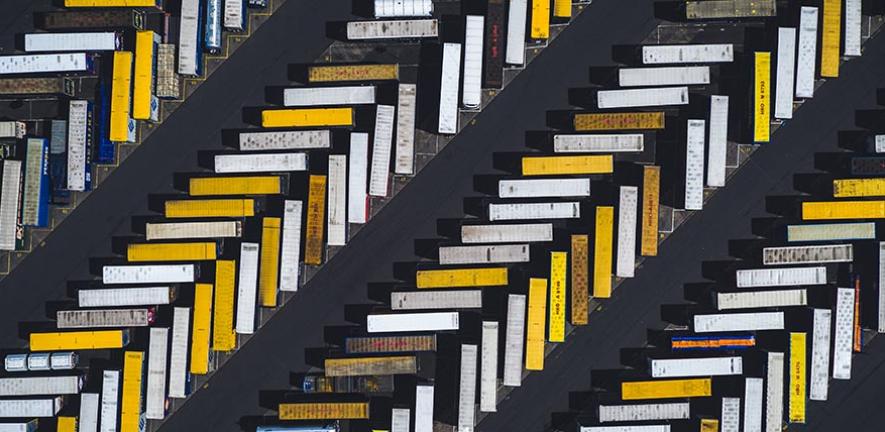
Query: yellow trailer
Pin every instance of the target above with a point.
(537, 316)
(562, 8)
(79, 340)
(133, 389)
(591, 122)
(709, 425)
(831, 39)
(602, 252)
(651, 190)
(580, 273)
(112, 3)
(460, 278)
(540, 19)
(66, 424)
(121, 96)
(209, 208)
(762, 97)
(199, 251)
(797, 377)
(307, 117)
(558, 265)
(667, 389)
(223, 336)
(867, 187)
(249, 185)
(143, 82)
(324, 411)
(363, 366)
(201, 329)
(564, 165)
(270, 262)
(830, 210)
(337, 73)
(316, 207)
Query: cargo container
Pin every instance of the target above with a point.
(40, 361)
(382, 139)
(337, 214)
(831, 39)
(290, 247)
(731, 414)
(787, 276)
(364, 72)
(357, 180)
(405, 129)
(168, 86)
(73, 63)
(12, 129)
(192, 230)
(121, 96)
(618, 121)
(179, 378)
(412, 322)
(483, 254)
(786, 67)
(245, 185)
(459, 278)
(431, 300)
(829, 210)
(488, 367)
(49, 385)
(515, 233)
(666, 389)
(140, 296)
(224, 339)
(807, 254)
(268, 276)
(316, 206)
(467, 388)
(843, 334)
(493, 45)
(852, 27)
(598, 143)
(556, 310)
(389, 344)
(567, 165)
(393, 29)
(36, 195)
(91, 19)
(514, 339)
(10, 197)
(807, 57)
(285, 140)
(751, 321)
(762, 97)
(664, 76)
(753, 404)
(536, 324)
(110, 395)
(113, 3)
(326, 96)
(31, 407)
(234, 18)
(88, 419)
(202, 326)
(60, 42)
(471, 94)
(579, 272)
(132, 392)
(716, 9)
(323, 410)
(695, 367)
(58, 131)
(686, 54)
(79, 146)
(247, 288)
(602, 252)
(634, 428)
(716, 158)
(760, 299)
(307, 117)
(562, 8)
(190, 39)
(448, 89)
(858, 187)
(540, 25)
(628, 204)
(712, 342)
(212, 26)
(145, 252)
(774, 392)
(534, 211)
(646, 97)
(141, 317)
(147, 274)
(423, 408)
(37, 86)
(820, 355)
(145, 105)
(644, 412)
(155, 399)
(516, 23)
(797, 377)
(651, 188)
(402, 8)
(348, 384)
(80, 340)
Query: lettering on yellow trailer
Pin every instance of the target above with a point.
(238, 208)
(540, 19)
(537, 316)
(130, 405)
(316, 207)
(589, 122)
(831, 39)
(667, 389)
(336, 73)
(651, 190)
(580, 279)
(201, 328)
(830, 210)
(562, 8)
(602, 252)
(797, 377)
(223, 336)
(458, 278)
(250, 185)
(323, 411)
(557, 296)
(762, 97)
(121, 96)
(80, 340)
(565, 165)
(307, 117)
(268, 277)
(198, 251)
(868, 187)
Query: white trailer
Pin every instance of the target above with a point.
(517, 233)
(753, 405)
(598, 143)
(738, 322)
(45, 63)
(694, 165)
(31, 407)
(530, 211)
(544, 188)
(488, 367)
(852, 28)
(81, 41)
(645, 97)
(19, 426)
(78, 139)
(148, 274)
(628, 205)
(155, 401)
(695, 367)
(430, 300)
(86, 318)
(684, 54)
(10, 193)
(110, 398)
(178, 372)
(336, 217)
(285, 140)
(403, 8)
(393, 29)
(760, 299)
(357, 198)
(664, 76)
(423, 408)
(412, 322)
(806, 60)
(192, 230)
(634, 428)
(467, 388)
(13, 129)
(290, 249)
(716, 158)
(644, 412)
(879, 144)
(325, 96)
(515, 46)
(400, 419)
(88, 420)
(40, 361)
(731, 414)
(260, 162)
(808, 254)
(471, 94)
(514, 340)
(820, 355)
(843, 341)
(448, 88)
(785, 276)
(786, 68)
(247, 288)
(405, 129)
(139, 296)
(484, 254)
(774, 393)
(379, 175)
(234, 17)
(189, 49)
(33, 386)
(831, 232)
